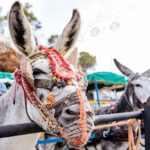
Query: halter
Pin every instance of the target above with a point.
(65, 75)
(34, 100)
(58, 67)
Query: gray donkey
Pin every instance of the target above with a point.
(135, 96)
(46, 89)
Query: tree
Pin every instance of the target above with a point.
(31, 17)
(52, 39)
(36, 24)
(86, 60)
(2, 21)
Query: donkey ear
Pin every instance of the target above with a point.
(126, 71)
(20, 29)
(70, 33)
(26, 69)
(146, 73)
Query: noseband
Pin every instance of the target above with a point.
(44, 83)
(34, 100)
(68, 100)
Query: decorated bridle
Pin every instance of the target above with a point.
(62, 74)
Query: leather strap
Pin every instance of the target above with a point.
(46, 84)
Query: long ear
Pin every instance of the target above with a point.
(126, 71)
(20, 29)
(26, 69)
(70, 33)
(146, 73)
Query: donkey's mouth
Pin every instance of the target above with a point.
(77, 134)
(76, 119)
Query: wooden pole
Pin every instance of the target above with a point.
(102, 119)
(97, 92)
(147, 126)
(19, 129)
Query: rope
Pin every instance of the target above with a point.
(131, 144)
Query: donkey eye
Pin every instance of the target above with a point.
(35, 73)
(38, 71)
(138, 85)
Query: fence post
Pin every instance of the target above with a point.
(97, 92)
(147, 126)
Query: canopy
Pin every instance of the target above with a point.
(6, 77)
(106, 80)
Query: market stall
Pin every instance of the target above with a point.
(104, 87)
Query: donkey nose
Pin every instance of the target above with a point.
(70, 112)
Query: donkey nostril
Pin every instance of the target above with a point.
(41, 97)
(70, 112)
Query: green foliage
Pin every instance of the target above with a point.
(31, 17)
(2, 18)
(29, 14)
(2, 21)
(86, 60)
(52, 39)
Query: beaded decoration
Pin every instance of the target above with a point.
(58, 66)
(63, 74)
(50, 100)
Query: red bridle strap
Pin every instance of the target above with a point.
(52, 125)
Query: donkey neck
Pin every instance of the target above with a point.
(124, 104)
(15, 114)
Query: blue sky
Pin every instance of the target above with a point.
(110, 28)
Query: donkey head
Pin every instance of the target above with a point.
(138, 88)
(55, 83)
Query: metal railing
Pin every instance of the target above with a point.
(28, 128)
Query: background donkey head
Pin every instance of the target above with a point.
(138, 88)
(55, 83)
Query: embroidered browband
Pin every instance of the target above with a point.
(58, 66)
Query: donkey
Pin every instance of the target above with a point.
(46, 89)
(135, 96)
